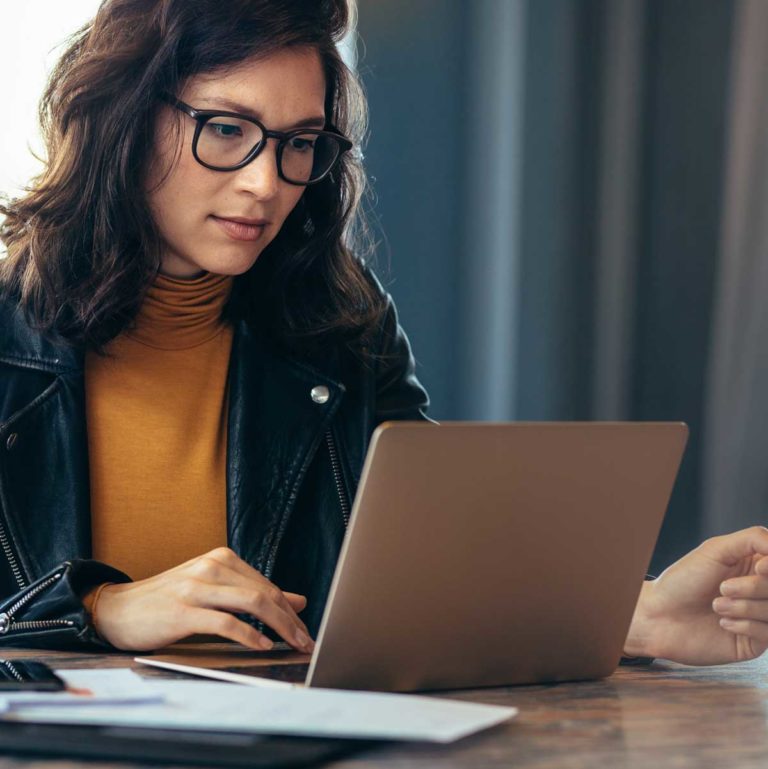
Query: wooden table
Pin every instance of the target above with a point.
(663, 715)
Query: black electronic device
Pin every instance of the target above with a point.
(28, 676)
(168, 746)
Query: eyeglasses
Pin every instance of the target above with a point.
(226, 141)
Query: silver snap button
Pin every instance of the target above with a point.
(11, 442)
(320, 394)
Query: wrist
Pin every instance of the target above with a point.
(639, 641)
(90, 601)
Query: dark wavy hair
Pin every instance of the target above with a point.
(82, 245)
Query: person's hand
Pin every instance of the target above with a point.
(199, 596)
(708, 608)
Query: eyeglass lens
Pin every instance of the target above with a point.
(224, 142)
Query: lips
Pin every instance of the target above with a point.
(240, 228)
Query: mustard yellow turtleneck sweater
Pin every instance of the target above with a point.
(157, 430)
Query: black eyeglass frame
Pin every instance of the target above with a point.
(202, 116)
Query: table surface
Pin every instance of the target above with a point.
(656, 716)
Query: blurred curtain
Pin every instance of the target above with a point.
(492, 169)
(549, 176)
(624, 134)
(736, 456)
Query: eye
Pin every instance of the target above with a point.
(224, 130)
(302, 143)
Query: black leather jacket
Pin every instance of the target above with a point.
(294, 462)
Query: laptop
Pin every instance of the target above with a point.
(482, 554)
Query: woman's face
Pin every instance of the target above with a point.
(207, 218)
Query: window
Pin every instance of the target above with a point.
(31, 38)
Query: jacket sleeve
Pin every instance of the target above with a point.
(49, 613)
(399, 394)
(638, 660)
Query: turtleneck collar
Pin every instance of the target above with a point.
(178, 314)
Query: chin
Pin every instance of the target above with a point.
(231, 264)
(229, 268)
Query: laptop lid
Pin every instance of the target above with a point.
(492, 554)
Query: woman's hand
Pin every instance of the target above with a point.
(200, 596)
(708, 608)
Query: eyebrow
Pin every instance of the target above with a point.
(234, 106)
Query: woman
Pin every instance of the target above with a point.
(192, 357)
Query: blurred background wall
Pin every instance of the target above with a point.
(572, 197)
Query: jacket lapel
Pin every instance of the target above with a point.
(274, 429)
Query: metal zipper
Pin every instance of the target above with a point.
(39, 624)
(337, 476)
(5, 542)
(6, 617)
(12, 562)
(11, 668)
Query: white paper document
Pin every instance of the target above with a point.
(307, 712)
(88, 688)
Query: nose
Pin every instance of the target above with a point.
(260, 177)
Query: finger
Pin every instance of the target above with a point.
(254, 588)
(259, 604)
(730, 549)
(226, 625)
(739, 608)
(202, 591)
(230, 559)
(745, 587)
(210, 570)
(755, 631)
(238, 579)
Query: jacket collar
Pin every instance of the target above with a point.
(23, 346)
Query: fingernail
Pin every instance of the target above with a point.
(265, 643)
(726, 588)
(301, 639)
(722, 604)
(727, 623)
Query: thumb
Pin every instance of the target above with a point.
(730, 549)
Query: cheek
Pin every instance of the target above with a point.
(180, 200)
